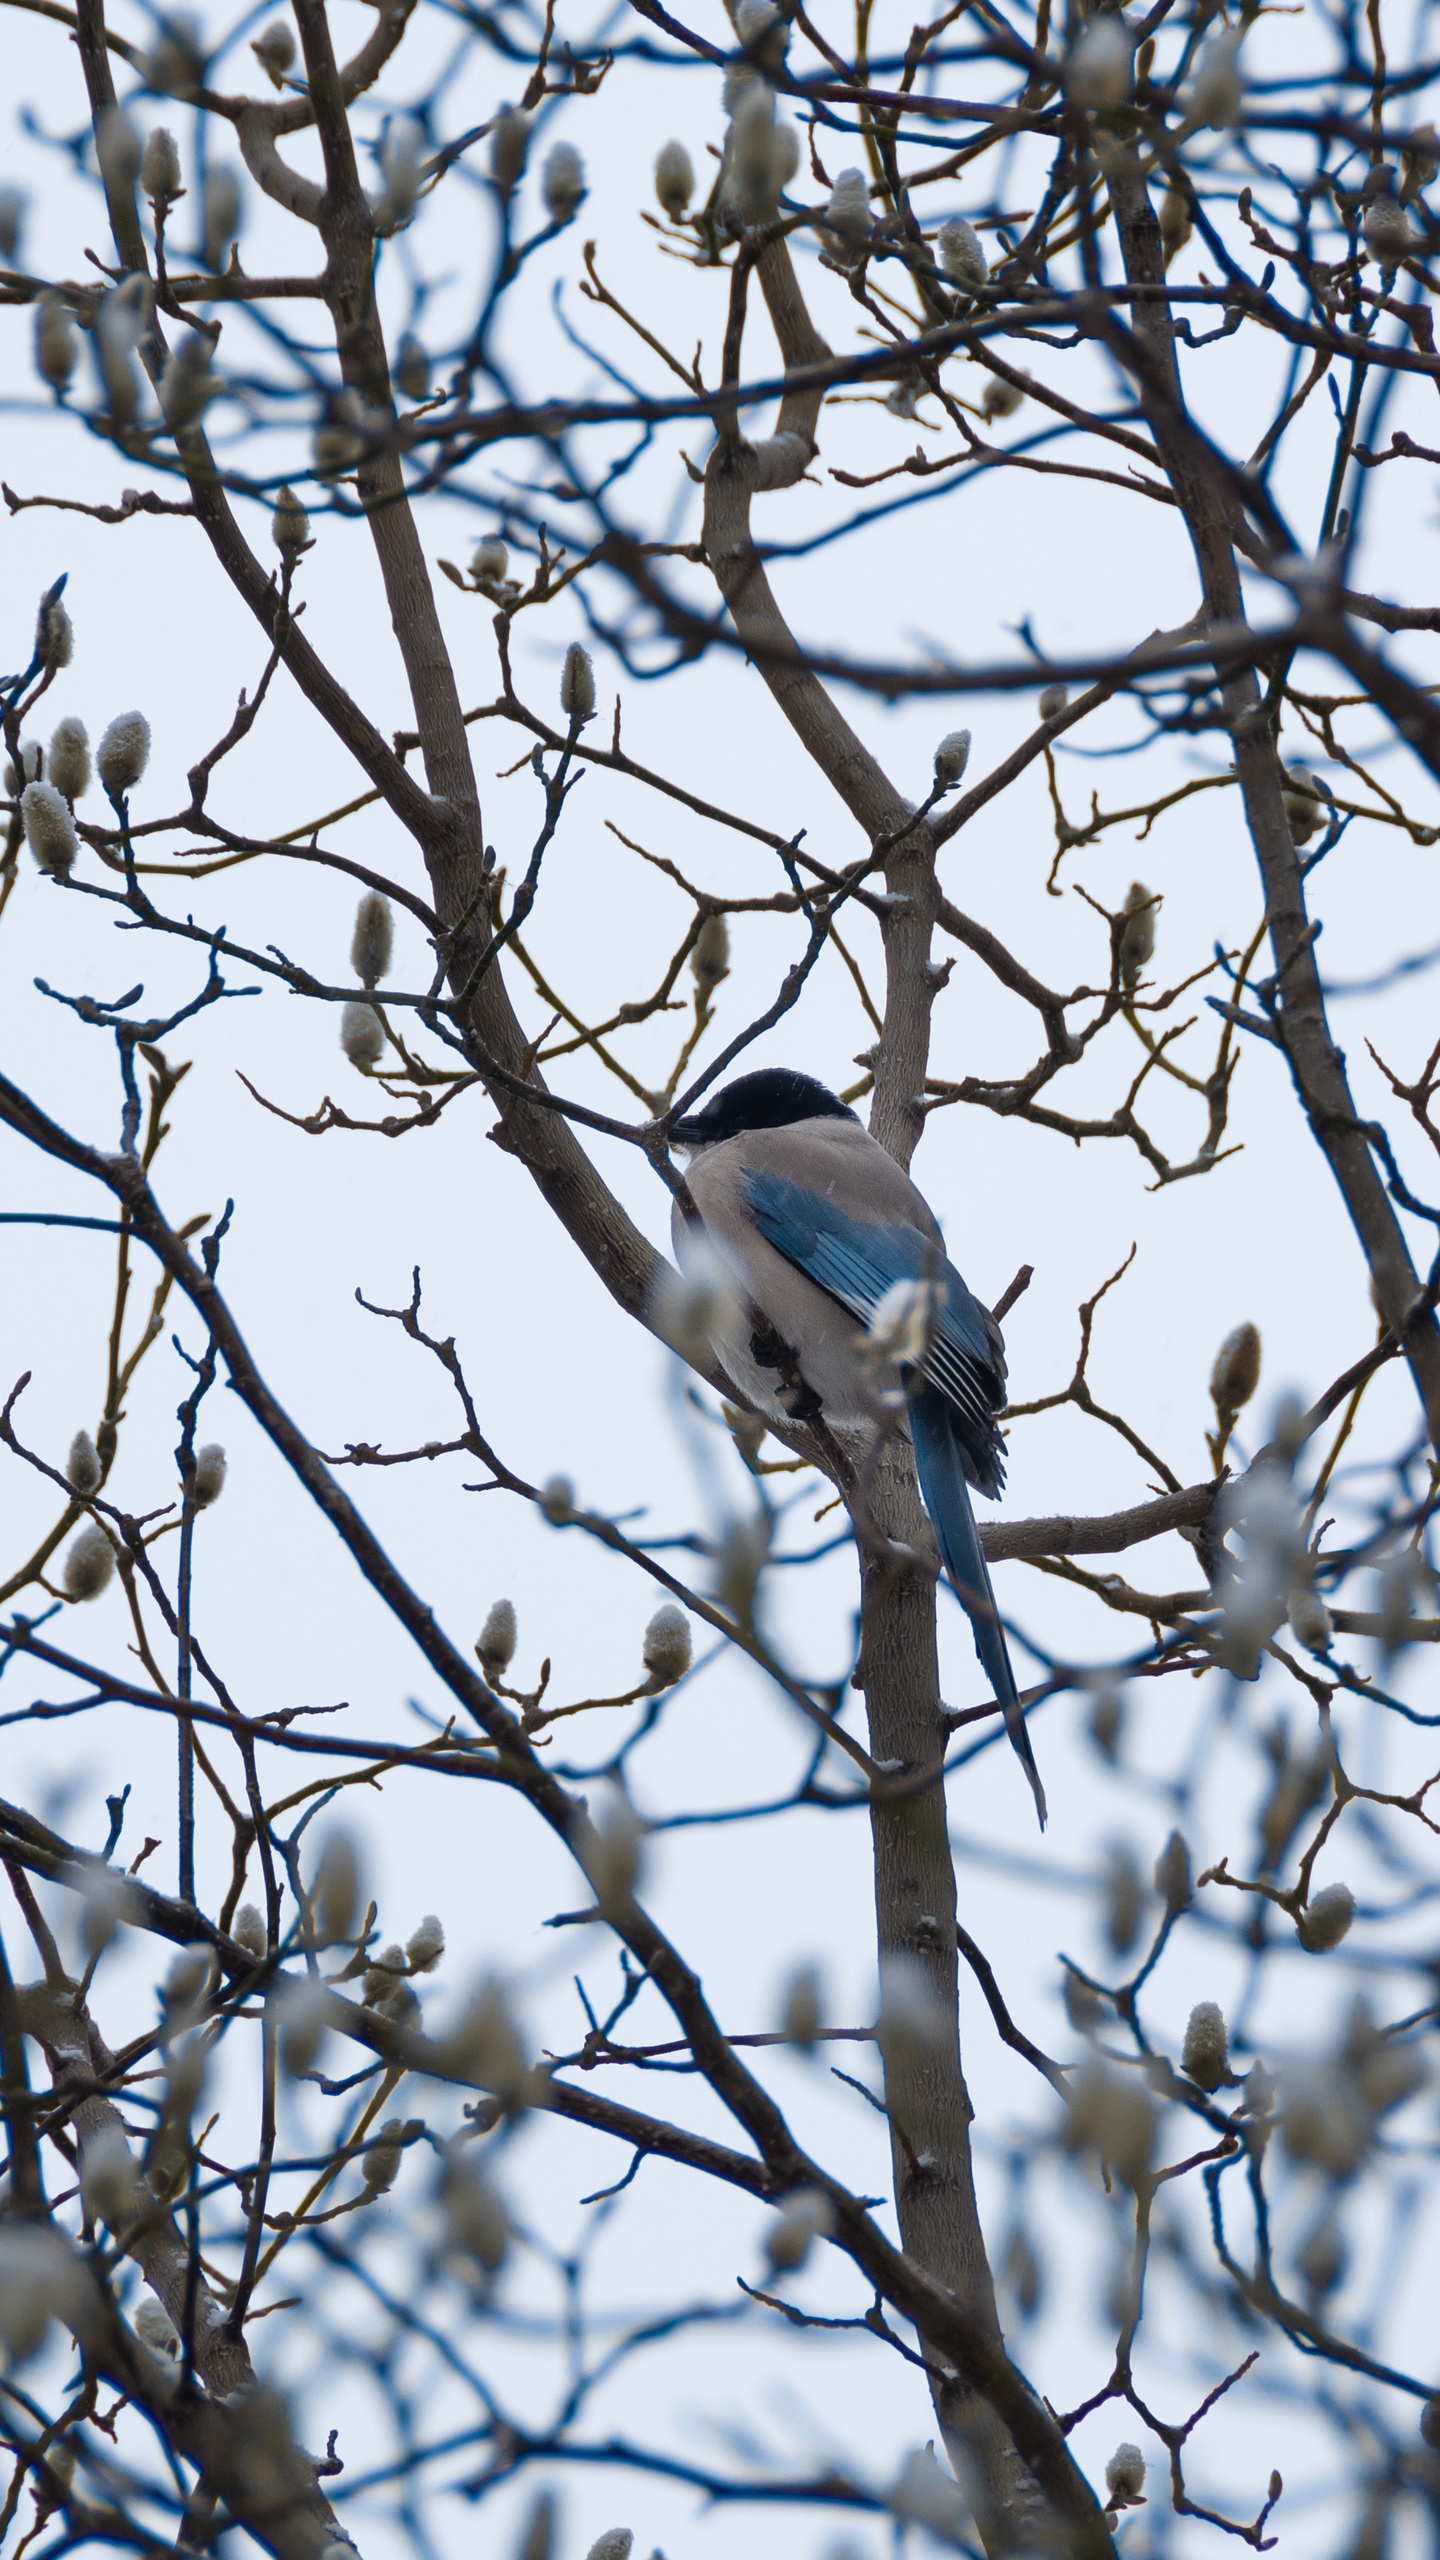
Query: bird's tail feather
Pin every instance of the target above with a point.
(947, 1499)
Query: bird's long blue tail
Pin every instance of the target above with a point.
(947, 1499)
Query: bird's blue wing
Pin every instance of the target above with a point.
(857, 1262)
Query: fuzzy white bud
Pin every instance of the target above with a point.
(210, 1470)
(951, 757)
(804, 2219)
(577, 685)
(248, 1931)
(1217, 92)
(1110, 2112)
(912, 2020)
(155, 2329)
(187, 385)
(764, 32)
(1053, 701)
(190, 1979)
(1125, 2476)
(846, 213)
(380, 2166)
(489, 562)
(1385, 229)
(109, 2179)
(49, 828)
(274, 50)
(118, 149)
(475, 2221)
(557, 1500)
(959, 256)
(674, 179)
(119, 324)
(801, 2009)
(289, 525)
(1099, 68)
(1236, 1373)
(124, 752)
(710, 959)
(616, 2544)
(67, 759)
(82, 1467)
(749, 152)
(495, 1645)
(222, 214)
(1205, 2053)
(54, 635)
(412, 367)
(402, 155)
(425, 1945)
(484, 2046)
(174, 63)
(666, 1649)
(12, 220)
(613, 1853)
(362, 1035)
(160, 177)
(1172, 1874)
(57, 341)
(1137, 934)
(509, 144)
(1322, 2260)
(299, 2005)
(562, 182)
(30, 767)
(698, 1307)
(1310, 1621)
(1326, 1919)
(373, 943)
(41, 2280)
(1000, 399)
(335, 1893)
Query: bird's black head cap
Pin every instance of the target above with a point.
(771, 1098)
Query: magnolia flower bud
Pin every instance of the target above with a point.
(1322, 2260)
(380, 2166)
(1205, 2053)
(402, 155)
(68, 757)
(29, 769)
(764, 31)
(750, 150)
(846, 213)
(951, 757)
(913, 2021)
(557, 1500)
(1172, 1874)
(155, 2329)
(54, 634)
(373, 942)
(412, 367)
(425, 1945)
(784, 158)
(698, 1306)
(335, 1893)
(41, 2280)
(248, 1931)
(710, 959)
(1053, 701)
(299, 2005)
(1310, 1620)
(124, 752)
(1176, 224)
(57, 341)
(1107, 1721)
(274, 50)
(616, 2544)
(1099, 68)
(190, 1979)
(1236, 1373)
(1083, 2005)
(1326, 1919)
(362, 1035)
(1110, 2112)
(1000, 399)
(666, 1649)
(210, 1467)
(1324, 2118)
(119, 324)
(109, 2179)
(1125, 2476)
(1124, 1899)
(12, 220)
(175, 62)
(577, 685)
(49, 828)
(804, 2219)
(959, 256)
(1304, 809)
(495, 1645)
(160, 170)
(82, 1467)
(509, 143)
(222, 214)
(488, 563)
(800, 2013)
(562, 182)
(485, 2047)
(613, 1855)
(1216, 93)
(187, 385)
(118, 149)
(1137, 934)
(475, 2220)
(674, 179)
(289, 525)
(1385, 229)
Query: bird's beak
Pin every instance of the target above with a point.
(687, 1133)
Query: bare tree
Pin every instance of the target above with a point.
(1147, 202)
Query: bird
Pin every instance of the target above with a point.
(810, 1218)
